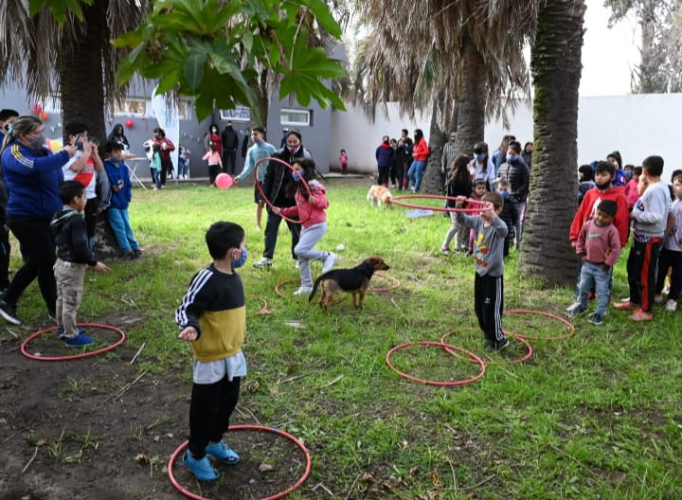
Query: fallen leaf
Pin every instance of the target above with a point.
(141, 458)
(367, 478)
(265, 468)
(414, 470)
(253, 386)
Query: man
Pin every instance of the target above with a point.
(448, 156)
(404, 159)
(518, 175)
(230, 140)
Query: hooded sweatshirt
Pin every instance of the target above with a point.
(71, 237)
(384, 155)
(588, 209)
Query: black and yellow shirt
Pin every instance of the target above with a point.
(214, 304)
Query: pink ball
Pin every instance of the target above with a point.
(224, 181)
(129, 123)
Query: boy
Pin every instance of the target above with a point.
(509, 214)
(598, 247)
(74, 255)
(212, 316)
(490, 232)
(671, 253)
(649, 216)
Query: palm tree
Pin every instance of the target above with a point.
(556, 67)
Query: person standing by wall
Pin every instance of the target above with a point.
(166, 148)
(384, 156)
(230, 140)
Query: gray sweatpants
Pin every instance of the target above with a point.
(306, 252)
(458, 231)
(69, 276)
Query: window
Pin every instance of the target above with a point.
(131, 107)
(300, 117)
(240, 114)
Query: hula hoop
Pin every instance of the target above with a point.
(561, 320)
(25, 352)
(482, 205)
(265, 198)
(526, 357)
(233, 428)
(262, 310)
(396, 284)
(475, 359)
(298, 280)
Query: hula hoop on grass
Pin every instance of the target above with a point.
(233, 428)
(475, 359)
(527, 356)
(571, 328)
(262, 310)
(396, 284)
(482, 205)
(25, 352)
(265, 198)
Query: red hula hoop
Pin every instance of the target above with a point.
(262, 193)
(25, 352)
(233, 428)
(528, 355)
(475, 359)
(396, 284)
(561, 320)
(262, 310)
(482, 205)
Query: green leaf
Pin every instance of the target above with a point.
(58, 8)
(324, 17)
(247, 41)
(194, 68)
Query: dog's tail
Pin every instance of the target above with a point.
(315, 285)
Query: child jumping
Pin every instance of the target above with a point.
(310, 209)
(73, 257)
(598, 247)
(490, 233)
(212, 316)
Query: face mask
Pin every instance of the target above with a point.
(214, 130)
(512, 158)
(8, 128)
(298, 175)
(385, 142)
(292, 149)
(258, 141)
(37, 142)
(241, 260)
(627, 174)
(480, 157)
(504, 193)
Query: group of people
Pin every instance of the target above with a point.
(402, 161)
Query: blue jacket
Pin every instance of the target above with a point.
(384, 155)
(32, 179)
(118, 174)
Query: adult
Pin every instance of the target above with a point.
(213, 136)
(118, 135)
(617, 161)
(167, 147)
(517, 173)
(7, 118)
(33, 174)
(499, 156)
(384, 156)
(447, 157)
(230, 143)
(276, 186)
(403, 159)
(482, 167)
(420, 153)
(527, 154)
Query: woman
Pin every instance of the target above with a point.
(482, 167)
(384, 155)
(32, 175)
(420, 153)
(213, 136)
(117, 135)
(528, 154)
(167, 147)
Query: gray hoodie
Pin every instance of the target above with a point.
(488, 243)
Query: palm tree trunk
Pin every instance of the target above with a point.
(471, 107)
(555, 64)
(431, 183)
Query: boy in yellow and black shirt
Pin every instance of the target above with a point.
(212, 316)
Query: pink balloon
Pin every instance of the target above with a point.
(224, 181)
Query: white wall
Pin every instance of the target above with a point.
(635, 125)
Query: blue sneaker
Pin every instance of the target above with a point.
(223, 453)
(201, 468)
(60, 331)
(576, 310)
(78, 341)
(597, 319)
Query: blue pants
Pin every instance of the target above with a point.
(156, 178)
(118, 219)
(592, 275)
(415, 174)
(306, 252)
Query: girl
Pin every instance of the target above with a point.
(155, 166)
(631, 193)
(459, 184)
(585, 181)
(309, 208)
(215, 163)
(420, 153)
(482, 167)
(477, 194)
(343, 159)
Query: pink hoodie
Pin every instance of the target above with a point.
(310, 214)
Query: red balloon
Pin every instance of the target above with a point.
(129, 123)
(44, 115)
(224, 181)
(36, 109)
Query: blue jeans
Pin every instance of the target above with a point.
(306, 252)
(592, 275)
(156, 178)
(414, 174)
(118, 219)
(183, 168)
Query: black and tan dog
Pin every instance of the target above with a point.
(354, 281)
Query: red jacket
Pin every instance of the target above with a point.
(421, 151)
(308, 213)
(588, 208)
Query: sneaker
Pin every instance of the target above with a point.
(659, 299)
(78, 341)
(9, 312)
(576, 310)
(201, 468)
(137, 253)
(640, 315)
(297, 264)
(303, 290)
(489, 345)
(597, 319)
(501, 344)
(445, 251)
(60, 331)
(328, 262)
(52, 314)
(264, 262)
(223, 453)
(625, 306)
(568, 309)
(671, 306)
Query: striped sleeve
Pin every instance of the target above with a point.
(20, 158)
(195, 301)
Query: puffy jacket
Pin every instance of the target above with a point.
(421, 151)
(32, 179)
(278, 177)
(588, 208)
(308, 213)
(518, 175)
(119, 177)
(384, 155)
(71, 237)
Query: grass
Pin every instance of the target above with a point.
(594, 416)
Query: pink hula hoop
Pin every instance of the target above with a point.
(24, 344)
(262, 193)
(482, 205)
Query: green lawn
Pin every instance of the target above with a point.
(594, 416)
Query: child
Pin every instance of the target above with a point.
(309, 209)
(598, 247)
(616, 160)
(459, 184)
(343, 159)
(649, 216)
(155, 166)
(74, 255)
(585, 181)
(631, 194)
(482, 167)
(477, 194)
(489, 277)
(215, 163)
(212, 316)
(671, 254)
(509, 214)
(183, 163)
(122, 192)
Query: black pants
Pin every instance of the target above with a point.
(271, 231)
(642, 272)
(213, 171)
(229, 161)
(383, 176)
(38, 249)
(392, 173)
(91, 216)
(666, 260)
(489, 303)
(166, 168)
(4, 256)
(209, 413)
(401, 174)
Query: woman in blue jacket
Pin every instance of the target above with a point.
(32, 175)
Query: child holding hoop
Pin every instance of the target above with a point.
(311, 203)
